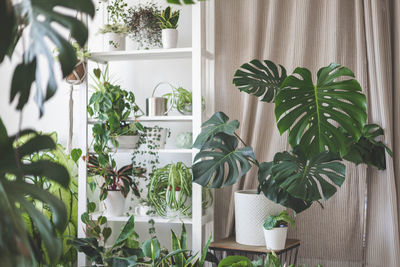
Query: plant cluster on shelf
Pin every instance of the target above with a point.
(146, 24)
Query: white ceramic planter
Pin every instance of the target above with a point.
(275, 238)
(115, 38)
(160, 144)
(251, 209)
(114, 204)
(169, 38)
(128, 141)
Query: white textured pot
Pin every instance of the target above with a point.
(115, 41)
(160, 144)
(251, 209)
(169, 38)
(275, 238)
(114, 203)
(127, 141)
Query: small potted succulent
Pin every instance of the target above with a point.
(143, 25)
(168, 22)
(275, 230)
(116, 29)
(117, 184)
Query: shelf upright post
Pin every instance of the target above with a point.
(82, 174)
(197, 119)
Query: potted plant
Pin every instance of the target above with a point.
(326, 123)
(275, 230)
(116, 185)
(244, 216)
(168, 23)
(111, 107)
(180, 99)
(170, 190)
(143, 25)
(116, 29)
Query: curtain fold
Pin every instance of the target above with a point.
(362, 35)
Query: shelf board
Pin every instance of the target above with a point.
(164, 151)
(155, 119)
(187, 220)
(173, 53)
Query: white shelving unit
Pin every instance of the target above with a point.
(201, 55)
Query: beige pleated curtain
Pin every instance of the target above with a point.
(362, 35)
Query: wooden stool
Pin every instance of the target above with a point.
(227, 247)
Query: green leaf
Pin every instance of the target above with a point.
(273, 220)
(176, 245)
(274, 192)
(76, 153)
(127, 231)
(42, 18)
(46, 168)
(272, 260)
(106, 233)
(235, 261)
(216, 124)
(302, 178)
(310, 112)
(258, 79)
(367, 149)
(7, 20)
(23, 78)
(205, 251)
(217, 154)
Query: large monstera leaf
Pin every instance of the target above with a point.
(14, 190)
(220, 152)
(273, 192)
(311, 112)
(368, 150)
(40, 18)
(302, 177)
(261, 79)
(219, 122)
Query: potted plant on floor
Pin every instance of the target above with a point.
(116, 185)
(168, 24)
(111, 107)
(116, 29)
(143, 25)
(275, 230)
(326, 122)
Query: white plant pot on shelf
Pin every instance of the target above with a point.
(251, 210)
(114, 204)
(169, 38)
(275, 238)
(127, 141)
(115, 41)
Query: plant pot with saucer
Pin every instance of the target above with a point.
(275, 230)
(169, 23)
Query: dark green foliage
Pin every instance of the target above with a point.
(260, 79)
(168, 19)
(309, 112)
(14, 190)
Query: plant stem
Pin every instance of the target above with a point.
(241, 140)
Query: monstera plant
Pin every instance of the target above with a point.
(326, 124)
(35, 24)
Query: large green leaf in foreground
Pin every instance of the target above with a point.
(310, 112)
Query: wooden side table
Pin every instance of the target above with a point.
(228, 247)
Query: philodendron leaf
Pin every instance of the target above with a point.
(310, 112)
(218, 153)
(216, 124)
(261, 79)
(41, 18)
(127, 231)
(273, 192)
(302, 177)
(7, 20)
(368, 150)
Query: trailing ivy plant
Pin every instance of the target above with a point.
(326, 124)
(36, 24)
